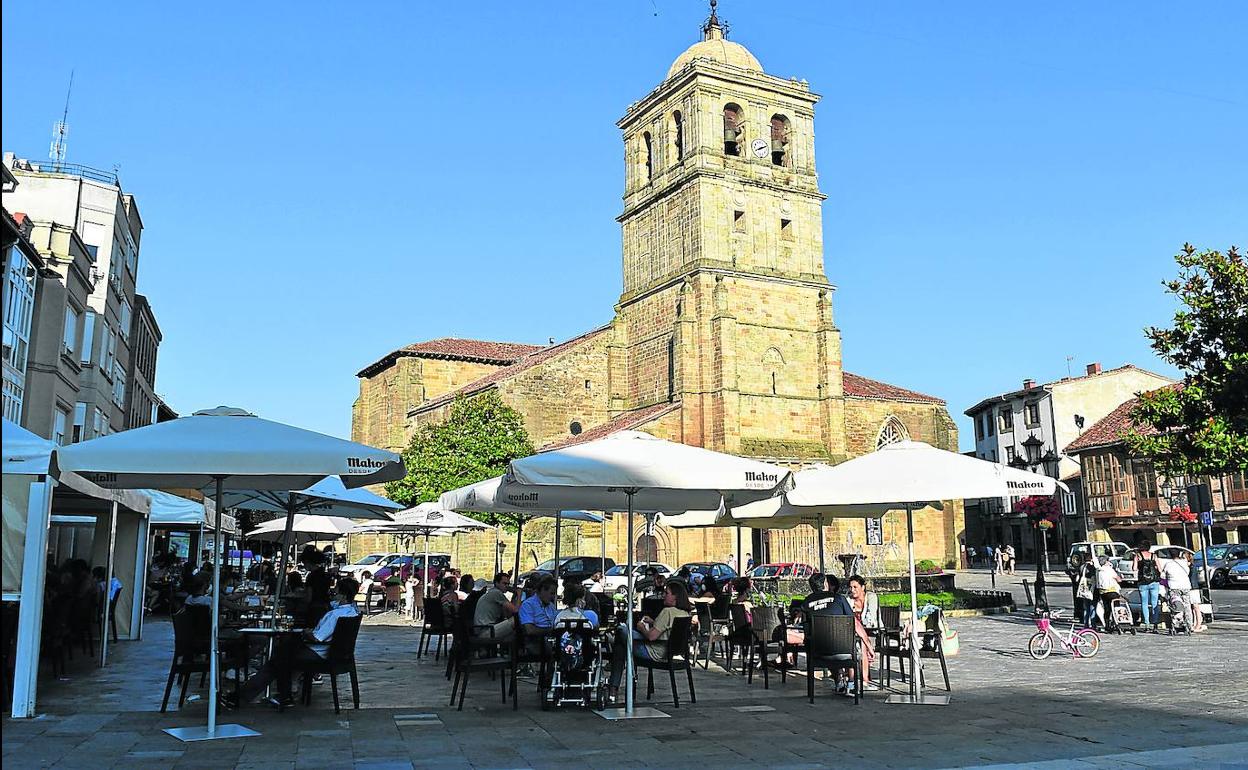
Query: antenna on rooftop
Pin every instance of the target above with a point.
(1068, 360)
(60, 130)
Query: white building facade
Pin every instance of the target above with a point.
(1029, 428)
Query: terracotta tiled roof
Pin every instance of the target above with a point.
(454, 348)
(520, 365)
(627, 421)
(860, 387)
(1110, 429)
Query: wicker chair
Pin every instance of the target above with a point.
(831, 643)
(764, 622)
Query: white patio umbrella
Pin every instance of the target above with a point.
(644, 473)
(303, 527)
(490, 496)
(904, 475)
(215, 450)
(328, 497)
(430, 519)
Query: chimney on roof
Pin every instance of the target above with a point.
(23, 224)
(1028, 384)
(1094, 368)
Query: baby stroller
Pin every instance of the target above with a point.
(1180, 610)
(577, 669)
(1119, 619)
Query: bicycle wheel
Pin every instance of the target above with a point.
(1039, 646)
(1087, 643)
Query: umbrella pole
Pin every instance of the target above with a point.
(819, 539)
(515, 575)
(498, 554)
(219, 561)
(738, 564)
(603, 545)
(428, 571)
(916, 686)
(281, 573)
(628, 635)
(558, 533)
(108, 584)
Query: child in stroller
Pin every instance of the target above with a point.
(577, 670)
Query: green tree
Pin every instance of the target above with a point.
(1200, 427)
(475, 442)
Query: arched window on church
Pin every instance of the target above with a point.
(678, 136)
(732, 129)
(891, 432)
(779, 140)
(773, 363)
(649, 143)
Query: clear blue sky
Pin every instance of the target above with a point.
(322, 183)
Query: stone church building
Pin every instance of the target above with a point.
(724, 334)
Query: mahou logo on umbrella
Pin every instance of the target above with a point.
(761, 479)
(363, 465)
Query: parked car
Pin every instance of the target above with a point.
(616, 577)
(1125, 565)
(1237, 575)
(716, 569)
(1085, 548)
(571, 568)
(403, 564)
(782, 571)
(370, 563)
(1221, 558)
(437, 563)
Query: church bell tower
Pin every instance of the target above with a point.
(725, 306)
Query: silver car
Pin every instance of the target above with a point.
(1125, 565)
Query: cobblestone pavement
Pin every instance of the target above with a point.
(1145, 701)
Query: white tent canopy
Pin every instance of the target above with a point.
(171, 510)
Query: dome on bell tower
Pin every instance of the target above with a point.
(716, 47)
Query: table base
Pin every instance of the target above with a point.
(639, 712)
(200, 733)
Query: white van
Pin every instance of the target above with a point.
(1115, 551)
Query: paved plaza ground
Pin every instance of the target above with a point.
(1145, 701)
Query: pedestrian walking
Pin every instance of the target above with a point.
(1009, 558)
(1194, 575)
(990, 557)
(1148, 578)
(970, 556)
(999, 566)
(1085, 589)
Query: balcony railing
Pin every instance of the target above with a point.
(72, 169)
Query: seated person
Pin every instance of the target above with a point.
(495, 609)
(574, 606)
(538, 612)
(593, 583)
(651, 584)
(449, 597)
(466, 584)
(366, 588)
(650, 635)
(311, 646)
(819, 599)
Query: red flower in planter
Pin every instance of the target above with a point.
(1042, 511)
(1182, 513)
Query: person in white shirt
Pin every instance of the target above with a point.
(290, 651)
(1179, 585)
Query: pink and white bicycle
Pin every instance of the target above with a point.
(1080, 642)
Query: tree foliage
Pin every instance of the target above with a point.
(1201, 427)
(475, 442)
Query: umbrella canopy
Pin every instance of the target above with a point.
(653, 473)
(304, 527)
(905, 474)
(245, 451)
(219, 449)
(327, 497)
(912, 473)
(432, 517)
(633, 471)
(171, 510)
(489, 496)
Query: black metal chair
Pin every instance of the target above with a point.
(831, 643)
(190, 655)
(739, 637)
(678, 659)
(339, 659)
(471, 653)
(888, 644)
(796, 616)
(764, 622)
(706, 636)
(435, 624)
(652, 606)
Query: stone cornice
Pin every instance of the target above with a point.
(716, 267)
(722, 174)
(723, 73)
